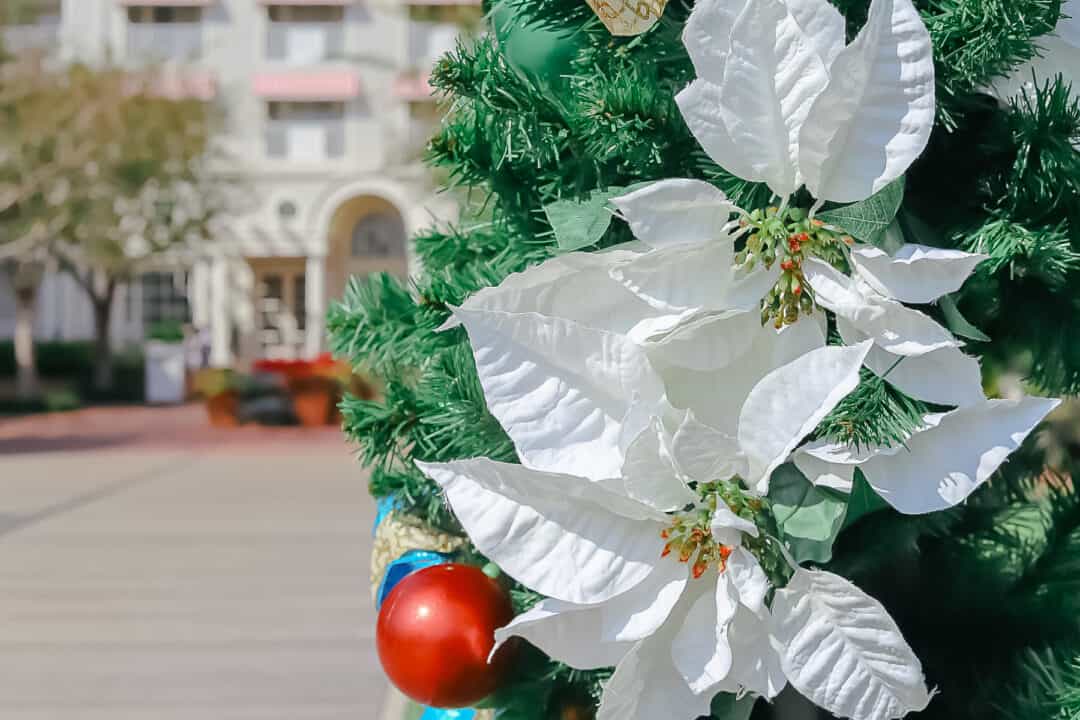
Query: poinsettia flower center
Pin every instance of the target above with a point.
(690, 539)
(695, 542)
(788, 236)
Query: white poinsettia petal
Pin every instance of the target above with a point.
(684, 281)
(703, 453)
(755, 663)
(942, 465)
(728, 528)
(904, 331)
(649, 473)
(876, 113)
(561, 390)
(822, 24)
(587, 637)
(707, 36)
(892, 326)
(841, 649)
(916, 273)
(679, 280)
(563, 536)
(749, 579)
(945, 377)
(716, 397)
(833, 290)
(829, 464)
(575, 286)
(700, 648)
(567, 632)
(749, 123)
(709, 342)
(677, 212)
(646, 686)
(789, 403)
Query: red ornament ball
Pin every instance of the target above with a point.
(435, 631)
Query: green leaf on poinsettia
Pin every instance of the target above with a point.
(957, 323)
(863, 500)
(580, 223)
(808, 517)
(868, 220)
(727, 706)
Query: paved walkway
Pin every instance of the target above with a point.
(153, 569)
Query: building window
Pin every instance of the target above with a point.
(305, 131)
(379, 235)
(307, 13)
(165, 33)
(305, 34)
(281, 312)
(164, 298)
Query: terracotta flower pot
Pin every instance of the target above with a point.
(222, 409)
(313, 400)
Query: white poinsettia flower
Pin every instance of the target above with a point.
(671, 278)
(644, 573)
(915, 353)
(781, 99)
(573, 398)
(653, 594)
(940, 465)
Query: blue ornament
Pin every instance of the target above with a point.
(404, 566)
(385, 506)
(437, 714)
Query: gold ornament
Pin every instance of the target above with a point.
(628, 17)
(397, 535)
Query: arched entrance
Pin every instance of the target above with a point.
(367, 235)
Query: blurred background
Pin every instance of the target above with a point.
(185, 188)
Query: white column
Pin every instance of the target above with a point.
(220, 329)
(314, 304)
(199, 293)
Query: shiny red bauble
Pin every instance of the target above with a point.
(435, 631)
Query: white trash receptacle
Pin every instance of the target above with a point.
(164, 374)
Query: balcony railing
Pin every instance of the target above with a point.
(305, 140)
(165, 41)
(40, 35)
(305, 43)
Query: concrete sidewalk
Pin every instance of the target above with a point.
(180, 583)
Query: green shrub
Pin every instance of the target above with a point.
(169, 331)
(74, 361)
(55, 359)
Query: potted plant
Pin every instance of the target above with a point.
(220, 392)
(163, 373)
(313, 386)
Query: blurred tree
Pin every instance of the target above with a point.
(99, 173)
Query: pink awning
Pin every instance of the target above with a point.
(167, 3)
(307, 2)
(314, 85)
(413, 88)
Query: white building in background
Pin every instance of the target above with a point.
(327, 109)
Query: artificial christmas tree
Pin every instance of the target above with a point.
(843, 428)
